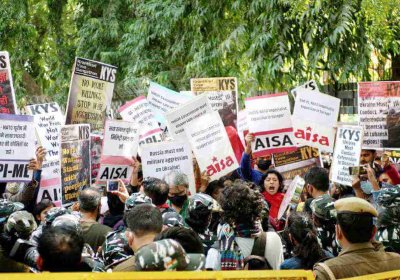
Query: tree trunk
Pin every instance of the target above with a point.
(396, 67)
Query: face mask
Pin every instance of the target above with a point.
(263, 164)
(178, 200)
(366, 187)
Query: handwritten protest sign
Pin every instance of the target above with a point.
(162, 100)
(268, 117)
(139, 111)
(292, 195)
(160, 159)
(96, 144)
(75, 160)
(290, 164)
(17, 147)
(90, 93)
(242, 126)
(379, 112)
(347, 153)
(183, 115)
(222, 95)
(211, 146)
(310, 85)
(314, 117)
(120, 144)
(7, 95)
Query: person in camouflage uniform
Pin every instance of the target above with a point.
(167, 254)
(172, 219)
(324, 216)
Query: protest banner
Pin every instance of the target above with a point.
(242, 126)
(158, 160)
(292, 195)
(139, 112)
(75, 160)
(50, 182)
(162, 100)
(183, 115)
(310, 85)
(211, 146)
(268, 117)
(379, 114)
(314, 117)
(96, 144)
(298, 162)
(90, 92)
(120, 144)
(347, 153)
(222, 95)
(394, 157)
(7, 96)
(17, 147)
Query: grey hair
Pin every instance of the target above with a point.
(89, 199)
(175, 178)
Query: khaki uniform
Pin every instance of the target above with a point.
(126, 265)
(357, 260)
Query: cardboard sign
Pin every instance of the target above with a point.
(222, 94)
(310, 85)
(268, 117)
(292, 195)
(158, 160)
(347, 153)
(90, 93)
(211, 145)
(120, 144)
(314, 117)
(242, 126)
(7, 96)
(140, 112)
(75, 160)
(17, 147)
(185, 114)
(162, 100)
(379, 112)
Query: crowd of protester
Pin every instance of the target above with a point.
(230, 224)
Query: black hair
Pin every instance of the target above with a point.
(199, 219)
(213, 186)
(60, 249)
(89, 199)
(302, 230)
(156, 189)
(241, 204)
(188, 239)
(277, 173)
(43, 204)
(357, 228)
(318, 177)
(115, 205)
(144, 219)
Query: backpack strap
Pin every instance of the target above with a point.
(328, 271)
(259, 245)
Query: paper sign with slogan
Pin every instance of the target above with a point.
(242, 126)
(17, 147)
(140, 112)
(120, 144)
(7, 96)
(75, 160)
(90, 93)
(159, 160)
(268, 117)
(310, 85)
(292, 195)
(314, 117)
(379, 112)
(185, 114)
(211, 145)
(347, 153)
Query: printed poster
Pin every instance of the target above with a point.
(90, 93)
(96, 144)
(292, 195)
(75, 160)
(17, 147)
(7, 96)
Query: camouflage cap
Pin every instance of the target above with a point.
(323, 207)
(172, 219)
(389, 197)
(202, 199)
(22, 223)
(115, 248)
(167, 254)
(136, 199)
(55, 212)
(8, 207)
(67, 221)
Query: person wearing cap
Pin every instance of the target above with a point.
(167, 255)
(186, 237)
(355, 231)
(143, 222)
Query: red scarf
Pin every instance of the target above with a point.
(274, 202)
